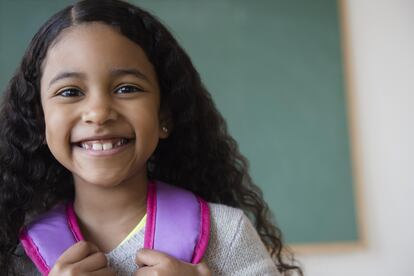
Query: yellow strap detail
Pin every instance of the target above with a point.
(139, 226)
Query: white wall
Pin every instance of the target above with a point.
(382, 57)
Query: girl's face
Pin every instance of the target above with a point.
(100, 98)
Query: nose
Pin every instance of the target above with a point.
(99, 110)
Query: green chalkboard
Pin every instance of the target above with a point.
(275, 71)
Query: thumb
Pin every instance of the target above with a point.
(202, 268)
(149, 257)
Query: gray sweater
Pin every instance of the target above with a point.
(234, 248)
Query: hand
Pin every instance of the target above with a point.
(82, 258)
(152, 262)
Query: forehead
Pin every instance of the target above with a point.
(94, 48)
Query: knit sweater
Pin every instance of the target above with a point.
(234, 248)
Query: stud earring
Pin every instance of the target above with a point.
(164, 128)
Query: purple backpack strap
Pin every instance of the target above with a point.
(178, 222)
(46, 238)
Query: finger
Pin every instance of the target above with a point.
(77, 252)
(149, 257)
(144, 271)
(103, 272)
(93, 262)
(203, 269)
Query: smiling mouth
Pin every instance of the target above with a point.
(103, 145)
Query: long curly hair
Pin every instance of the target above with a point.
(199, 154)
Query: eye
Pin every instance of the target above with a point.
(128, 89)
(70, 92)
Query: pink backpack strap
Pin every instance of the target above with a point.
(45, 239)
(176, 217)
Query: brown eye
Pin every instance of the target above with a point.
(128, 89)
(70, 92)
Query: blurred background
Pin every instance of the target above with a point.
(381, 57)
(319, 95)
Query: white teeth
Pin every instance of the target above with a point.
(97, 146)
(107, 146)
(103, 146)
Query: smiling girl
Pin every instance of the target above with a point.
(105, 102)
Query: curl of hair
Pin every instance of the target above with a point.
(199, 155)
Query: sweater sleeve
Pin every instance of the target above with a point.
(235, 247)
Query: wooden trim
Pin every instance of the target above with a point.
(324, 248)
(353, 123)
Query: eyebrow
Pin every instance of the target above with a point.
(67, 75)
(114, 73)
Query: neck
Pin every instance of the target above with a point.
(107, 214)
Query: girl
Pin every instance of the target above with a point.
(104, 101)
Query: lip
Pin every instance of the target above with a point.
(102, 153)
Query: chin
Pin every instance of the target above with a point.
(102, 180)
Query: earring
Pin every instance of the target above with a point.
(164, 128)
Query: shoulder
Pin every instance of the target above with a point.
(235, 247)
(225, 218)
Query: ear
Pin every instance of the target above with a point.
(166, 125)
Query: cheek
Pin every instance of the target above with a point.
(56, 128)
(143, 116)
(146, 127)
(51, 123)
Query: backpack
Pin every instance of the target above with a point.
(178, 223)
